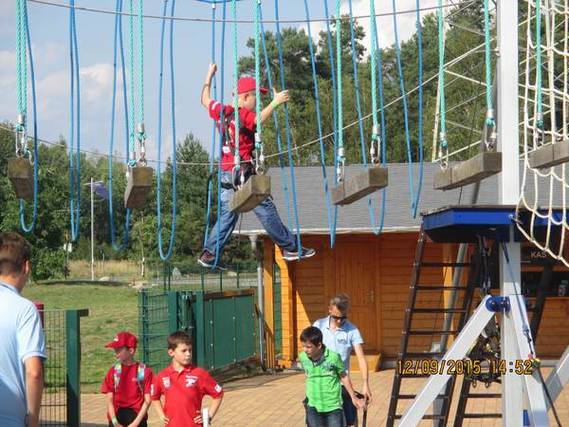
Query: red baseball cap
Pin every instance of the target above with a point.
(248, 84)
(123, 339)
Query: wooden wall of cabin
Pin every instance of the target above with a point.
(376, 273)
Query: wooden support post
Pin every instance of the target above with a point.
(138, 186)
(360, 185)
(254, 191)
(21, 175)
(549, 155)
(470, 171)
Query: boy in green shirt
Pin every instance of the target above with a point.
(324, 372)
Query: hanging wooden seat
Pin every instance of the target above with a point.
(138, 186)
(255, 190)
(549, 155)
(21, 174)
(360, 185)
(477, 168)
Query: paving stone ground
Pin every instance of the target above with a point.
(275, 400)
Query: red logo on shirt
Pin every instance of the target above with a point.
(166, 382)
(191, 380)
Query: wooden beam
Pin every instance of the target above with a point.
(138, 186)
(360, 185)
(21, 175)
(549, 155)
(287, 310)
(473, 170)
(254, 191)
(268, 259)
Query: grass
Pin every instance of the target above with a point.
(111, 269)
(111, 309)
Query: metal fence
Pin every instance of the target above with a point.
(223, 326)
(61, 397)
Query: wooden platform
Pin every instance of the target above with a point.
(254, 191)
(360, 185)
(477, 168)
(138, 186)
(21, 174)
(549, 155)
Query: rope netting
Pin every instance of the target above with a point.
(545, 122)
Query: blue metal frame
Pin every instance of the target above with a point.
(465, 223)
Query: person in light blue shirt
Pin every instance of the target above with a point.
(341, 336)
(22, 342)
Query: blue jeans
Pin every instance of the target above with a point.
(266, 213)
(324, 419)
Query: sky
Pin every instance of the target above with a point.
(49, 27)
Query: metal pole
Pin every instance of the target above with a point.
(509, 188)
(92, 234)
(260, 295)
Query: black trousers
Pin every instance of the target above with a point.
(125, 416)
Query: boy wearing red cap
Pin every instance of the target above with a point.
(183, 386)
(266, 211)
(127, 385)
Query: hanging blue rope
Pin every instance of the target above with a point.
(371, 210)
(319, 122)
(118, 41)
(213, 131)
(420, 105)
(287, 129)
(166, 256)
(377, 60)
(26, 33)
(284, 177)
(334, 108)
(413, 194)
(75, 127)
(220, 129)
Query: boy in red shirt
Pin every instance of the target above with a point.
(266, 211)
(183, 386)
(127, 385)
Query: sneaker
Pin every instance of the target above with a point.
(293, 256)
(207, 260)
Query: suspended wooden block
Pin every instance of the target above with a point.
(138, 186)
(477, 168)
(549, 155)
(254, 191)
(21, 174)
(360, 185)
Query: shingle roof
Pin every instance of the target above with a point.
(355, 218)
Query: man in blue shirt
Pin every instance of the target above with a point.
(342, 336)
(22, 351)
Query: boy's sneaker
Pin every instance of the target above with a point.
(293, 255)
(207, 260)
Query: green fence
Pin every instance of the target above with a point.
(61, 397)
(223, 326)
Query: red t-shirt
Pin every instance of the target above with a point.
(130, 393)
(183, 393)
(247, 127)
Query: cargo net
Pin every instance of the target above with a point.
(542, 214)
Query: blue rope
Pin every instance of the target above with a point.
(284, 177)
(379, 66)
(221, 120)
(75, 131)
(118, 39)
(287, 128)
(166, 256)
(334, 108)
(405, 113)
(237, 155)
(340, 154)
(213, 132)
(420, 106)
(371, 210)
(319, 122)
(30, 228)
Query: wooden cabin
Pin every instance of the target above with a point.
(375, 269)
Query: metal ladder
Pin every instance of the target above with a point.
(467, 384)
(444, 399)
